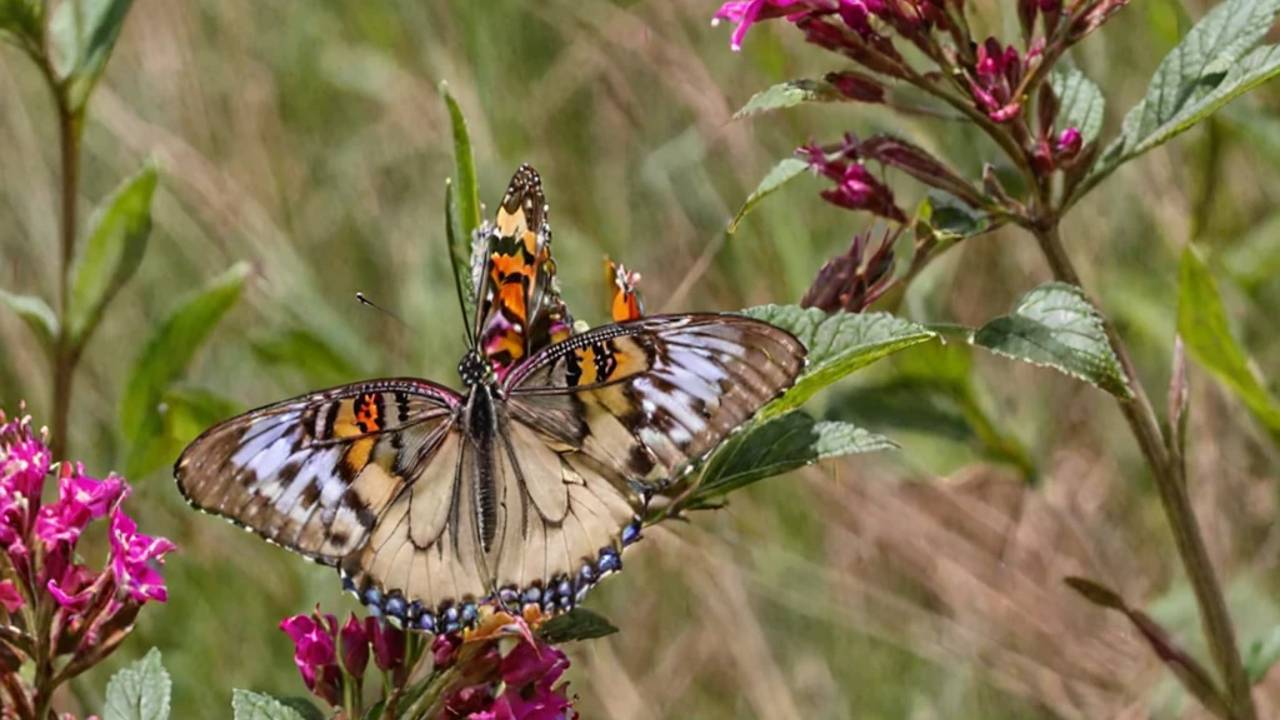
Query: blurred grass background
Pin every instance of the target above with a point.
(310, 140)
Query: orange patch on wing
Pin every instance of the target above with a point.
(357, 456)
(629, 361)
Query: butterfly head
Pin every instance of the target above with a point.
(475, 369)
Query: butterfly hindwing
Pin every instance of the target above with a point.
(314, 473)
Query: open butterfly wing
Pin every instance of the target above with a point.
(314, 474)
(645, 400)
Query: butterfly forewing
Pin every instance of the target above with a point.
(646, 399)
(314, 473)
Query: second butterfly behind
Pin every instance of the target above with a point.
(523, 488)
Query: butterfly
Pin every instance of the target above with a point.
(523, 488)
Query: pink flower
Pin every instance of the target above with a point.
(856, 188)
(857, 86)
(73, 587)
(315, 653)
(745, 13)
(24, 459)
(134, 558)
(995, 80)
(520, 686)
(81, 499)
(10, 598)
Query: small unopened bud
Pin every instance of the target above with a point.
(1067, 145)
(857, 86)
(1046, 108)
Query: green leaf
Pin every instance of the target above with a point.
(460, 248)
(83, 34)
(1215, 63)
(781, 174)
(20, 22)
(112, 252)
(1080, 101)
(1055, 326)
(1262, 654)
(778, 446)
(789, 94)
(577, 624)
(306, 352)
(249, 705)
(838, 345)
(139, 691)
(182, 414)
(166, 354)
(951, 219)
(36, 313)
(1202, 323)
(468, 193)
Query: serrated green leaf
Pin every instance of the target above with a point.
(789, 94)
(112, 252)
(139, 691)
(577, 624)
(1215, 63)
(781, 174)
(778, 446)
(83, 33)
(167, 353)
(837, 345)
(249, 705)
(1055, 326)
(36, 313)
(1081, 103)
(1202, 323)
(1262, 654)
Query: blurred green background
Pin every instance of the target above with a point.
(309, 139)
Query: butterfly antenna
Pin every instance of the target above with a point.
(366, 301)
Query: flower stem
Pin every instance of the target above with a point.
(64, 352)
(1171, 484)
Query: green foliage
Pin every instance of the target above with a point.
(249, 705)
(83, 33)
(1262, 654)
(789, 94)
(462, 209)
(1081, 103)
(1202, 323)
(20, 22)
(112, 252)
(165, 357)
(778, 446)
(577, 624)
(838, 345)
(1214, 64)
(1055, 326)
(784, 172)
(36, 313)
(139, 691)
(950, 219)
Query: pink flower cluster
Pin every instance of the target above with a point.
(523, 684)
(329, 657)
(93, 609)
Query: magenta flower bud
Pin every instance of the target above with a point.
(10, 598)
(24, 459)
(857, 86)
(388, 644)
(745, 13)
(444, 649)
(1068, 144)
(355, 647)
